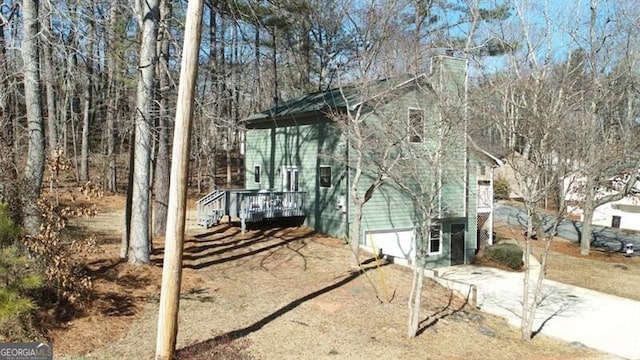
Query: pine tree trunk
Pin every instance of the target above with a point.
(161, 178)
(36, 153)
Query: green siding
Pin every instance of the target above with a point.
(306, 147)
(310, 141)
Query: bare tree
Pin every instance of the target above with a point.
(87, 110)
(551, 112)
(161, 173)
(148, 13)
(604, 73)
(34, 168)
(370, 151)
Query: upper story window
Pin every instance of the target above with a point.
(416, 125)
(324, 175)
(256, 174)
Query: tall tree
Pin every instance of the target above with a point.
(161, 173)
(87, 97)
(148, 13)
(34, 168)
(9, 177)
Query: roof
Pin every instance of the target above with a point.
(333, 99)
(480, 153)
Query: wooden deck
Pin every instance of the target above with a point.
(249, 206)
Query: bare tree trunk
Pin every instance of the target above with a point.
(52, 124)
(9, 177)
(149, 16)
(86, 116)
(585, 236)
(126, 234)
(35, 158)
(415, 297)
(161, 178)
(112, 100)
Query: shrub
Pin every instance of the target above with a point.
(17, 279)
(59, 260)
(9, 231)
(507, 254)
(501, 188)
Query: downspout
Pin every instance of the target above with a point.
(466, 166)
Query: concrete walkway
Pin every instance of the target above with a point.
(604, 322)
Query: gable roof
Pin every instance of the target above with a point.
(333, 99)
(481, 154)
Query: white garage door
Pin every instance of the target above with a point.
(394, 242)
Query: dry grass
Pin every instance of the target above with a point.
(282, 293)
(611, 273)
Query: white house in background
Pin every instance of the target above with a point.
(623, 213)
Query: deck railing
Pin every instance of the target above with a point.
(249, 206)
(270, 205)
(211, 208)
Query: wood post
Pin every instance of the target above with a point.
(174, 238)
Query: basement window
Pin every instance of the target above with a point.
(324, 175)
(416, 125)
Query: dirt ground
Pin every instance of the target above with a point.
(278, 293)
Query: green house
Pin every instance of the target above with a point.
(296, 147)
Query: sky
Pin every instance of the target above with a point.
(555, 28)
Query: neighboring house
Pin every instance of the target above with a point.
(485, 164)
(514, 160)
(294, 148)
(623, 213)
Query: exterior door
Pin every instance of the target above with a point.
(615, 221)
(290, 178)
(457, 244)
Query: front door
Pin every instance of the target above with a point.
(457, 244)
(290, 178)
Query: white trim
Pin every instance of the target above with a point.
(295, 169)
(439, 252)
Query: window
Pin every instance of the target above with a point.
(290, 178)
(435, 237)
(416, 125)
(325, 176)
(483, 170)
(256, 174)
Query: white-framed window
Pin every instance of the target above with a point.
(415, 125)
(324, 176)
(290, 178)
(435, 239)
(256, 174)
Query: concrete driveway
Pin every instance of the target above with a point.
(602, 237)
(600, 321)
